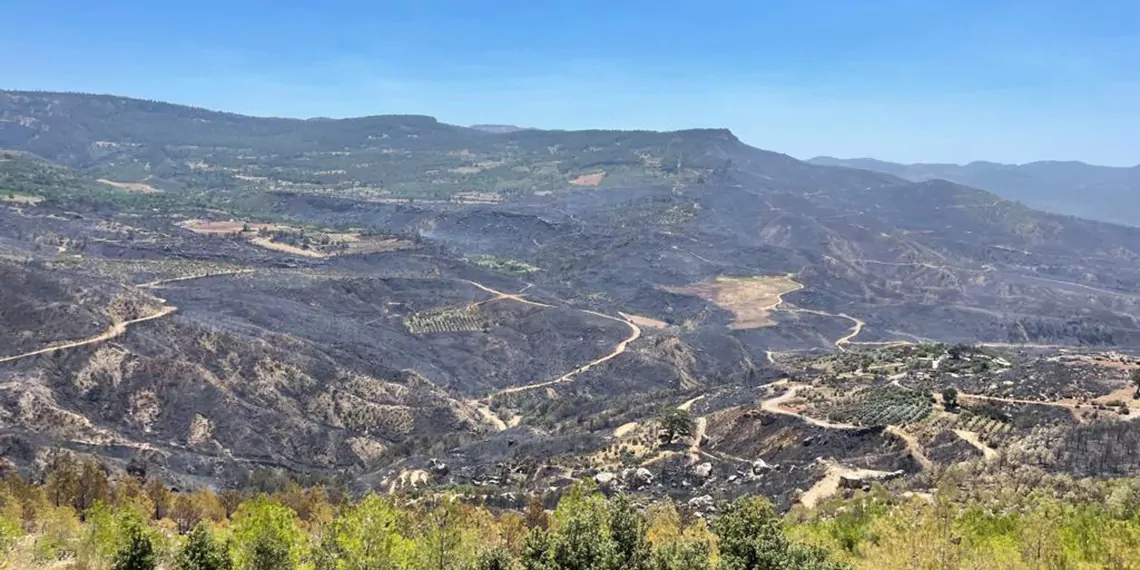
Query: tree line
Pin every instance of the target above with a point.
(77, 515)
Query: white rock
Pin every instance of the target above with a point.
(702, 503)
(703, 471)
(604, 479)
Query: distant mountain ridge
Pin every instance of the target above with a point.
(499, 129)
(1105, 193)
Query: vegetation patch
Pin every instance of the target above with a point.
(19, 197)
(883, 406)
(749, 299)
(307, 242)
(504, 265)
(451, 320)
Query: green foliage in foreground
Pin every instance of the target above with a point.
(982, 516)
(307, 530)
(1012, 521)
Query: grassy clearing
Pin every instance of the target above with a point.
(139, 187)
(14, 197)
(749, 299)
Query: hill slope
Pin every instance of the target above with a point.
(212, 292)
(1074, 188)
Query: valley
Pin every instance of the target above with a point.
(408, 306)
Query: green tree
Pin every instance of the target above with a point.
(496, 558)
(950, 398)
(266, 536)
(62, 479)
(681, 556)
(91, 487)
(628, 527)
(440, 534)
(367, 536)
(750, 537)
(1135, 375)
(203, 551)
(136, 551)
(10, 513)
(675, 422)
(579, 538)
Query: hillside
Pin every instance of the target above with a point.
(208, 295)
(1072, 188)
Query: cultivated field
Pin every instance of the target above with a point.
(749, 299)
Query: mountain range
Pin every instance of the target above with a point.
(203, 294)
(1106, 193)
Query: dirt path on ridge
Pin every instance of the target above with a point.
(117, 329)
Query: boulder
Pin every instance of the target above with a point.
(760, 467)
(604, 479)
(439, 467)
(642, 477)
(703, 503)
(703, 471)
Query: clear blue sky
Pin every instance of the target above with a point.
(906, 80)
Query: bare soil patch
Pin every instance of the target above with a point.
(645, 322)
(323, 244)
(474, 197)
(749, 299)
(18, 198)
(139, 187)
(225, 227)
(589, 179)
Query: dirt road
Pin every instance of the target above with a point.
(117, 329)
(829, 485)
(699, 426)
(163, 282)
(635, 333)
(972, 438)
(500, 296)
(856, 327)
(113, 331)
(913, 446)
(774, 406)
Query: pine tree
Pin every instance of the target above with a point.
(751, 537)
(203, 552)
(628, 527)
(266, 536)
(497, 558)
(137, 550)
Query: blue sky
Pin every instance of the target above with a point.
(905, 80)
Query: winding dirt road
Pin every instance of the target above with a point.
(774, 406)
(117, 329)
(829, 485)
(856, 327)
(486, 413)
(163, 282)
(913, 446)
(972, 438)
(635, 333)
(113, 331)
